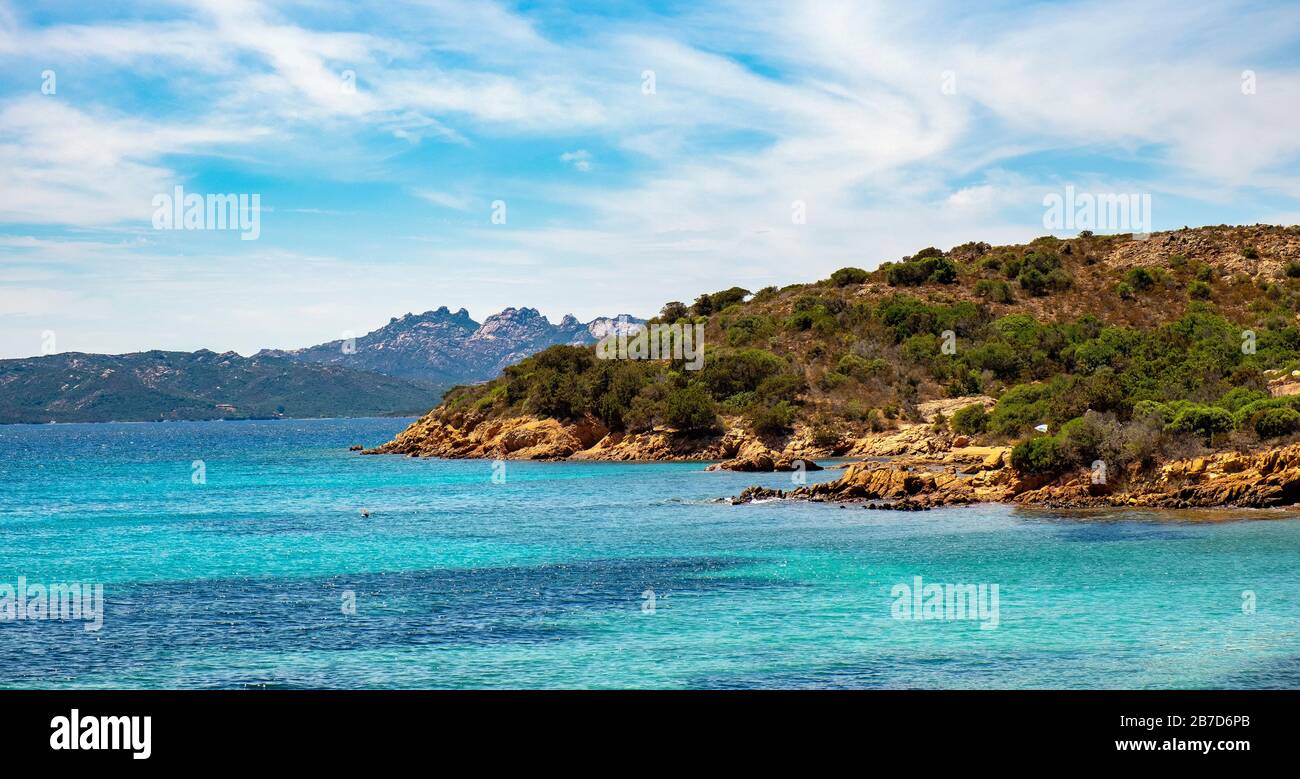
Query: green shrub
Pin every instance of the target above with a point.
(1011, 266)
(728, 373)
(825, 436)
(919, 270)
(774, 420)
(748, 329)
(691, 410)
(1202, 420)
(1004, 360)
(860, 368)
(940, 422)
(1151, 409)
(1039, 455)
(1084, 439)
(782, 386)
(1033, 281)
(717, 301)
(1198, 290)
(1275, 422)
(674, 310)
(847, 276)
(1039, 272)
(920, 348)
(825, 325)
(1244, 414)
(1020, 408)
(490, 398)
(1238, 397)
(1140, 279)
(970, 420)
(995, 290)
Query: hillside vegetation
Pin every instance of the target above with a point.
(1127, 350)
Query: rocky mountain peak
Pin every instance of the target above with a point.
(444, 347)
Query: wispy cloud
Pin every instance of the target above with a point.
(580, 159)
(443, 199)
(704, 129)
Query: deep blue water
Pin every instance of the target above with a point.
(544, 580)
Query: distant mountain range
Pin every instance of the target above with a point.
(147, 386)
(400, 369)
(443, 348)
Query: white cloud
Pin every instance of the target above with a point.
(581, 159)
(444, 199)
(67, 166)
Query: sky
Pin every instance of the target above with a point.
(589, 158)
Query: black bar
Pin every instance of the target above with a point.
(209, 728)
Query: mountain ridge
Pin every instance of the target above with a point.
(421, 355)
(445, 348)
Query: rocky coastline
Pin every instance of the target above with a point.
(911, 467)
(1263, 479)
(536, 438)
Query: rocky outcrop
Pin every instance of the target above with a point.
(1252, 480)
(1249, 480)
(442, 433)
(535, 438)
(756, 456)
(519, 438)
(1221, 248)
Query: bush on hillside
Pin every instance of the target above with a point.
(691, 410)
(1276, 422)
(921, 270)
(847, 276)
(777, 419)
(1041, 455)
(1204, 421)
(1140, 279)
(970, 420)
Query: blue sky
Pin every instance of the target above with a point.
(898, 125)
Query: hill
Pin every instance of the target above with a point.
(151, 386)
(1129, 351)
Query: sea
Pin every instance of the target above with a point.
(265, 554)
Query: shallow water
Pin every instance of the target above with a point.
(545, 580)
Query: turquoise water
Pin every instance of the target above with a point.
(541, 581)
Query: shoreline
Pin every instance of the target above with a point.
(911, 467)
(1267, 478)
